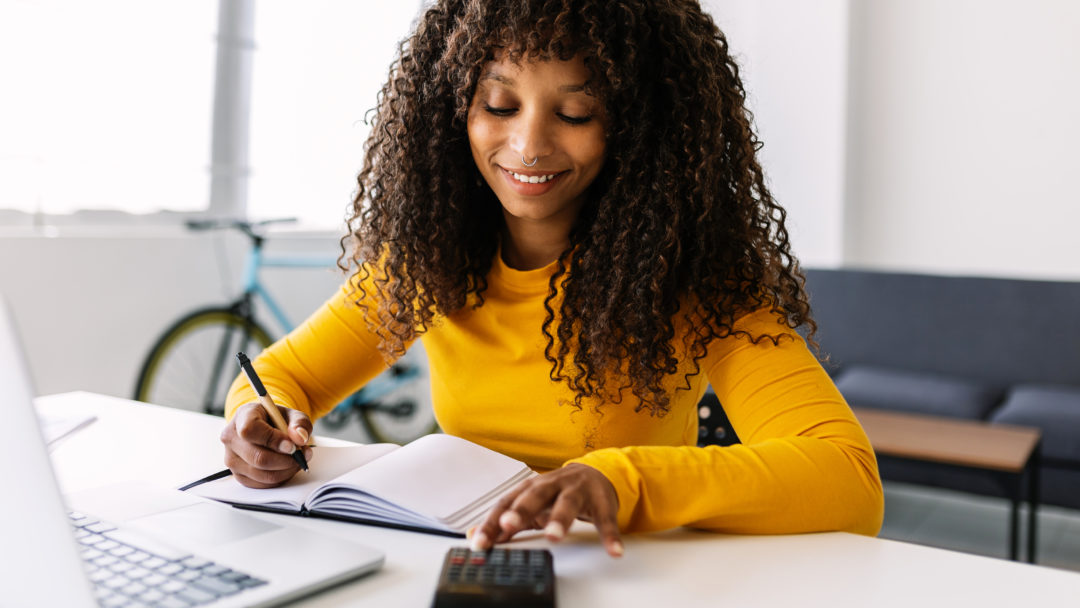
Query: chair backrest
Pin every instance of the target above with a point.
(714, 428)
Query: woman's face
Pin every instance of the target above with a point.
(538, 111)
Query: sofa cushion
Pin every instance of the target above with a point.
(1054, 409)
(917, 392)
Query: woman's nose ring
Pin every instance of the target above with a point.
(535, 158)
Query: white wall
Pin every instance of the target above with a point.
(935, 136)
(792, 55)
(965, 123)
(91, 302)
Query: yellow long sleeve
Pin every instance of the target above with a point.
(804, 464)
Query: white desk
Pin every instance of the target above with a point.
(132, 441)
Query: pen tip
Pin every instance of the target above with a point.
(298, 456)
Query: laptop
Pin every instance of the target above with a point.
(139, 544)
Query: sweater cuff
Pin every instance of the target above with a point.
(614, 464)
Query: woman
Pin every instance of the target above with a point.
(562, 200)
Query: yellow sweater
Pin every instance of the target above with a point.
(804, 463)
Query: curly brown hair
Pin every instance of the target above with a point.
(678, 226)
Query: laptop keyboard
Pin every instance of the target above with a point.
(129, 570)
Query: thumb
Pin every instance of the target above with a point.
(299, 426)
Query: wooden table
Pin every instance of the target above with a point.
(1011, 451)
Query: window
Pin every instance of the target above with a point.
(317, 71)
(106, 105)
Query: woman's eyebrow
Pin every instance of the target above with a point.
(504, 80)
(497, 77)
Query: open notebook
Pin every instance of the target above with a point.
(439, 484)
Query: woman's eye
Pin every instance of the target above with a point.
(503, 112)
(498, 111)
(575, 120)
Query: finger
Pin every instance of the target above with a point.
(261, 477)
(253, 426)
(609, 535)
(254, 465)
(252, 482)
(527, 506)
(299, 425)
(568, 505)
(541, 520)
(484, 534)
(247, 452)
(248, 455)
(605, 518)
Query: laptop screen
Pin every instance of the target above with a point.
(41, 564)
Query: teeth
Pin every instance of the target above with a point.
(532, 179)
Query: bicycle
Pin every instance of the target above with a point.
(191, 365)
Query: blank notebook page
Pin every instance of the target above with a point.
(437, 475)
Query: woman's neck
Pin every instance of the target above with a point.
(529, 247)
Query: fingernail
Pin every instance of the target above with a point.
(469, 533)
(286, 447)
(554, 530)
(479, 542)
(617, 548)
(509, 520)
(308, 453)
(303, 435)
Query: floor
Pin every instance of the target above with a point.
(976, 524)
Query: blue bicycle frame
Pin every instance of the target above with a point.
(379, 386)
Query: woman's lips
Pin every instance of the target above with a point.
(532, 189)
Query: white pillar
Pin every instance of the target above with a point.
(229, 164)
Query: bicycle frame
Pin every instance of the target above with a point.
(379, 397)
(242, 306)
(257, 260)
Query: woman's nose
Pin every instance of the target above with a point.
(530, 137)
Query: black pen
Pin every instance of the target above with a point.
(269, 405)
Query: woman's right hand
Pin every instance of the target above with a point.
(259, 455)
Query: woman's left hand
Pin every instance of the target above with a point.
(551, 502)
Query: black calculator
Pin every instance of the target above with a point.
(497, 577)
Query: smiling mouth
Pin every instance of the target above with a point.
(536, 178)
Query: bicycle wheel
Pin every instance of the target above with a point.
(192, 365)
(403, 413)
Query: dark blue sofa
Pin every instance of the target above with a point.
(1001, 350)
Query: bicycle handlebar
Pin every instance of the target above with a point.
(244, 226)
